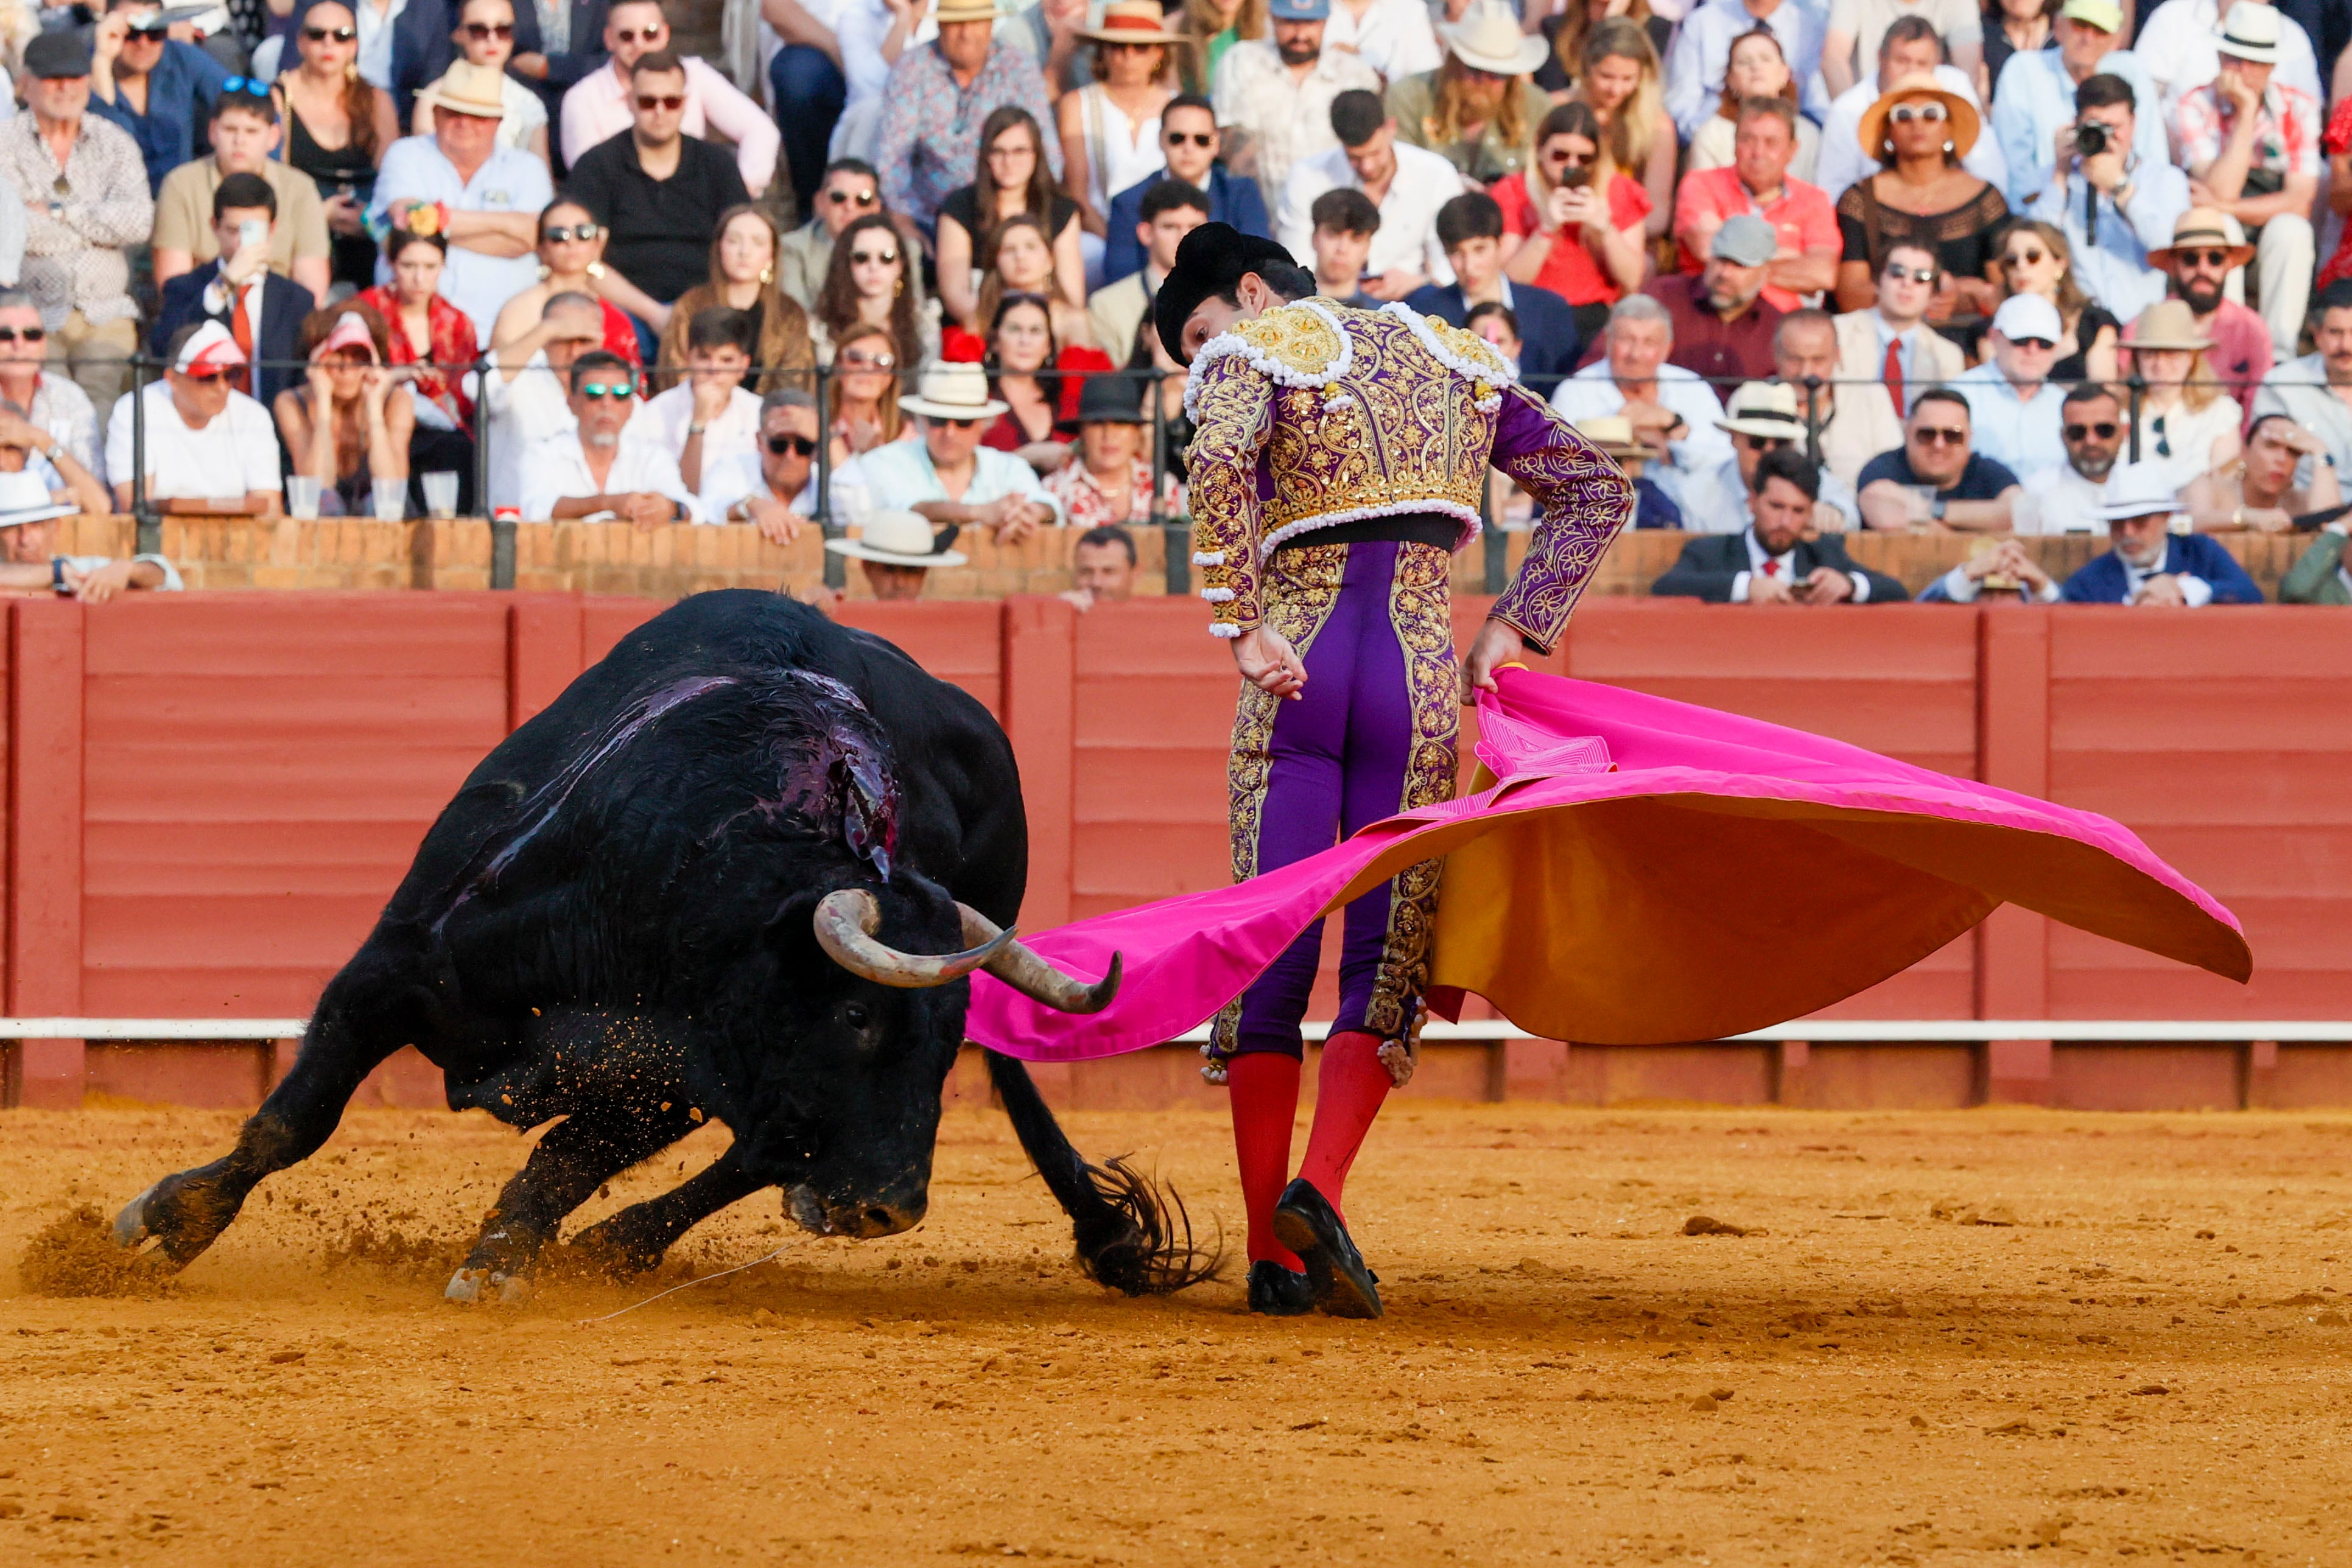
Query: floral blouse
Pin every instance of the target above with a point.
(454, 342)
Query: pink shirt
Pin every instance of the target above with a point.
(597, 109)
(1802, 216)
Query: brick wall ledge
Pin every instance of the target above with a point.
(670, 562)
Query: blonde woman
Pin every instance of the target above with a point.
(2034, 258)
(1478, 109)
(1567, 31)
(743, 277)
(1621, 86)
(1110, 127)
(1755, 69)
(2187, 426)
(1210, 27)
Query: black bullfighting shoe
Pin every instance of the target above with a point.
(1277, 1291)
(1306, 1222)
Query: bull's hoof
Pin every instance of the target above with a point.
(130, 1225)
(487, 1287)
(609, 1249)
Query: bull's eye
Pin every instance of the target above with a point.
(858, 1015)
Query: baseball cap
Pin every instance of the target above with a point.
(1299, 10)
(209, 347)
(1744, 240)
(2105, 15)
(2028, 316)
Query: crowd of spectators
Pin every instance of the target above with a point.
(1807, 267)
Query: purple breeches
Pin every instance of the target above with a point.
(1373, 733)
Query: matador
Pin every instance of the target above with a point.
(1337, 467)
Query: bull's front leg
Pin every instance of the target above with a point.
(576, 1157)
(635, 1240)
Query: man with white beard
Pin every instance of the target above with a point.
(600, 469)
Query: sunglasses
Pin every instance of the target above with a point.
(2032, 343)
(649, 34)
(669, 101)
(1901, 274)
(852, 358)
(2023, 259)
(29, 334)
(2104, 430)
(850, 198)
(339, 34)
(594, 390)
(251, 86)
(2219, 259)
(1932, 436)
(798, 446)
(1904, 113)
(151, 32)
(207, 375)
(959, 424)
(1761, 442)
(1197, 138)
(482, 31)
(559, 235)
(873, 258)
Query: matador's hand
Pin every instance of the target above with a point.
(1269, 663)
(1496, 644)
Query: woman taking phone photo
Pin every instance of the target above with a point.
(1572, 223)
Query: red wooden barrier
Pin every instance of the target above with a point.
(209, 796)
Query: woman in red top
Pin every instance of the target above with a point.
(2337, 142)
(1021, 358)
(1572, 224)
(436, 341)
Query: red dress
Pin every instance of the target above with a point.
(1006, 433)
(454, 342)
(2334, 141)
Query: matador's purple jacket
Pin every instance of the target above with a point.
(1315, 416)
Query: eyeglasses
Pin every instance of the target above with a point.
(2024, 259)
(29, 334)
(649, 34)
(321, 34)
(594, 390)
(873, 258)
(1011, 149)
(1901, 274)
(867, 359)
(850, 198)
(798, 446)
(1904, 113)
(1197, 138)
(481, 31)
(559, 235)
(1931, 436)
(669, 101)
(2104, 430)
(2032, 343)
(2219, 259)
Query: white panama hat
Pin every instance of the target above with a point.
(954, 390)
(896, 538)
(25, 499)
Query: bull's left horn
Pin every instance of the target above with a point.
(1021, 967)
(845, 921)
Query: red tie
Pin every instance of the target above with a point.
(1894, 375)
(1771, 568)
(242, 330)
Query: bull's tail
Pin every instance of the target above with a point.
(1132, 1234)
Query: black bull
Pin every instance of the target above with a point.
(738, 869)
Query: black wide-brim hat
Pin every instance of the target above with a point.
(1212, 260)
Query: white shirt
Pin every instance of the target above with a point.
(2176, 45)
(216, 298)
(1693, 459)
(507, 182)
(724, 483)
(64, 410)
(1736, 508)
(1843, 162)
(597, 109)
(2053, 501)
(734, 433)
(375, 39)
(2020, 434)
(896, 476)
(1761, 561)
(2182, 448)
(523, 412)
(2195, 591)
(1407, 237)
(1394, 37)
(1286, 118)
(556, 467)
(233, 454)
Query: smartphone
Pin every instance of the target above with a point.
(251, 232)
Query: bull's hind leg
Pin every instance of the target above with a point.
(635, 1240)
(577, 1156)
(376, 1006)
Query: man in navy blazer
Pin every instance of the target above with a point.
(206, 293)
(1470, 227)
(1770, 561)
(1190, 137)
(2150, 565)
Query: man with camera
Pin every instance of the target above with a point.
(2114, 205)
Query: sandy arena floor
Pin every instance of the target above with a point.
(1948, 1338)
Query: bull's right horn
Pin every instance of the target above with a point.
(845, 920)
(1026, 971)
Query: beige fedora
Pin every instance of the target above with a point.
(1960, 114)
(1614, 433)
(1134, 22)
(2200, 228)
(1491, 39)
(1767, 409)
(953, 390)
(469, 89)
(897, 538)
(2167, 324)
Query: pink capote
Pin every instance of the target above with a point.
(1634, 871)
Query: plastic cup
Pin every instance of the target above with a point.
(391, 497)
(441, 495)
(301, 497)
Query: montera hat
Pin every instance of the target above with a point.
(1212, 261)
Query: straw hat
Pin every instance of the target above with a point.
(2167, 324)
(1133, 22)
(953, 390)
(2250, 32)
(469, 89)
(2201, 226)
(2137, 490)
(1961, 119)
(1614, 433)
(897, 538)
(25, 499)
(1767, 409)
(1491, 39)
(953, 11)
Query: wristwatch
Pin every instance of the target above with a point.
(1935, 508)
(696, 429)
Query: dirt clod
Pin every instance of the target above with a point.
(75, 1255)
(1706, 1225)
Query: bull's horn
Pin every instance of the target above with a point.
(1021, 967)
(845, 921)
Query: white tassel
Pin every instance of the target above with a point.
(1218, 595)
(1222, 629)
(1208, 558)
